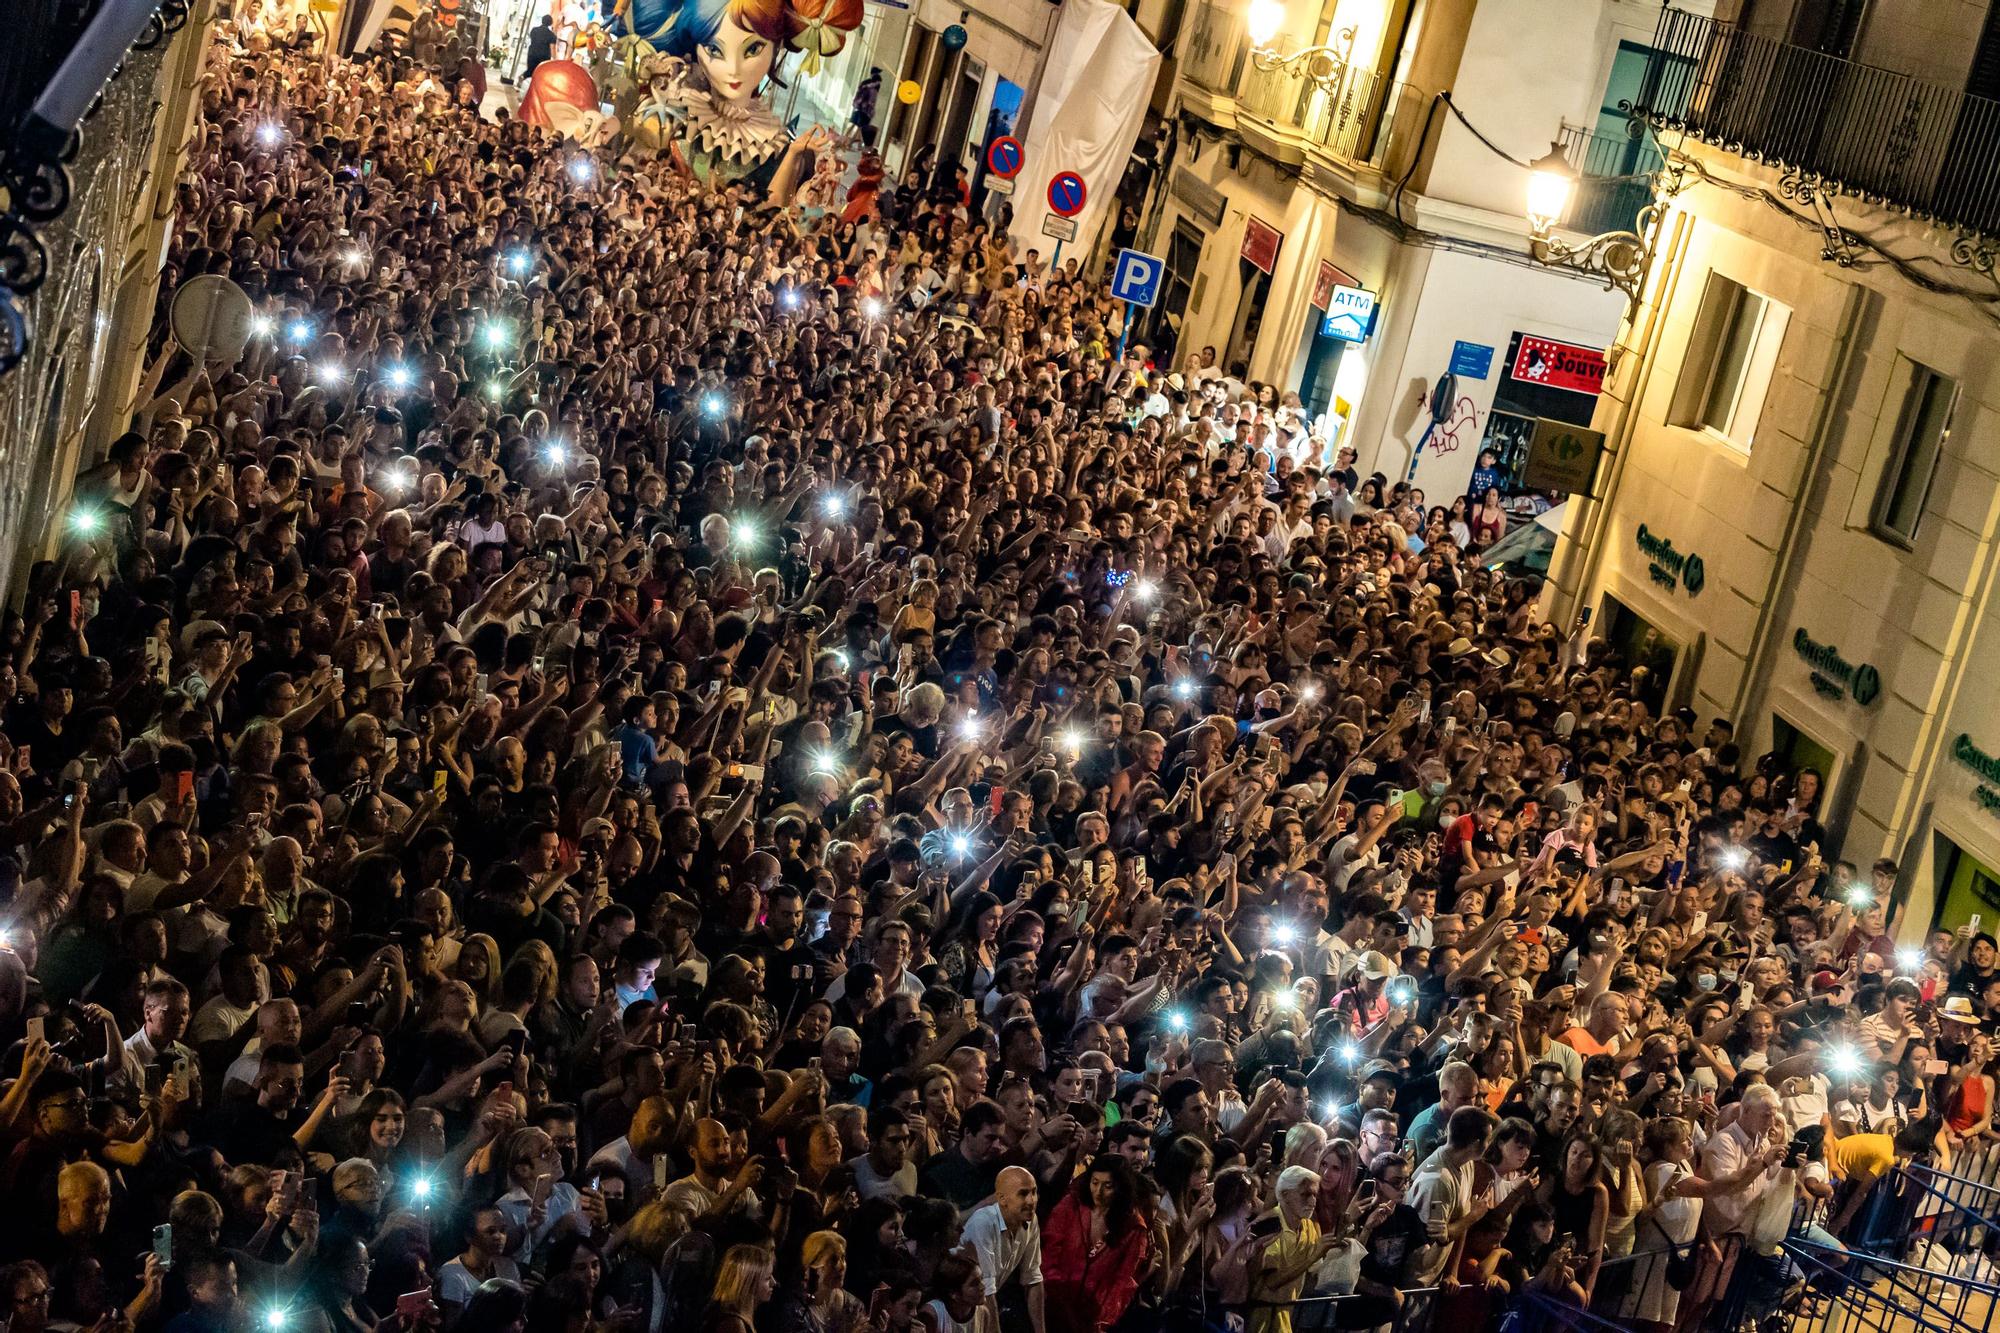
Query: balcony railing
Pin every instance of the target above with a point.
(1615, 171)
(1924, 148)
(1351, 120)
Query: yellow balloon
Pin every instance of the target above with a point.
(908, 91)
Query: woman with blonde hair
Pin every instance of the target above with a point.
(635, 1283)
(478, 966)
(821, 1292)
(543, 957)
(742, 1283)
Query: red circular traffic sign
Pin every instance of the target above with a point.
(1004, 157)
(1066, 192)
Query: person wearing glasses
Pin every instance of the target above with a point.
(26, 1286)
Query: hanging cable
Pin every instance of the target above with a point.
(1491, 147)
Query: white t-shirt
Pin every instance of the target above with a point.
(456, 1285)
(1342, 863)
(564, 1199)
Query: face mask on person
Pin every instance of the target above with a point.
(1436, 788)
(1446, 820)
(1705, 981)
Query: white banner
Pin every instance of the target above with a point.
(1086, 118)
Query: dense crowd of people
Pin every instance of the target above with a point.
(638, 762)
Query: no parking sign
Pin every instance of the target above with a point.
(1004, 157)
(1066, 193)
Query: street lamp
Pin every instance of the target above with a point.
(1551, 183)
(1620, 258)
(1325, 65)
(1265, 18)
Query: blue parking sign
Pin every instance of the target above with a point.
(1136, 278)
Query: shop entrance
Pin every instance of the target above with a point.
(1249, 312)
(1163, 323)
(1642, 644)
(1799, 750)
(1966, 887)
(1322, 364)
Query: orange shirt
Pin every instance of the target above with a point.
(1585, 1045)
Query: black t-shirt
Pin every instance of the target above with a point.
(246, 1132)
(785, 994)
(950, 1176)
(1393, 1248)
(924, 738)
(1777, 849)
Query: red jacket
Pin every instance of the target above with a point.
(1088, 1292)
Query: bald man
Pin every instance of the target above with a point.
(1008, 1242)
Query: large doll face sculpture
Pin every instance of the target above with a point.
(736, 61)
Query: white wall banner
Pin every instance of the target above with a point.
(1086, 118)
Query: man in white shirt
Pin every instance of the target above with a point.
(1442, 1194)
(885, 1170)
(891, 958)
(1746, 1139)
(1420, 910)
(1887, 1033)
(1360, 849)
(723, 1175)
(245, 985)
(158, 1040)
(1008, 1241)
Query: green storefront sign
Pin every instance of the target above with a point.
(1670, 568)
(1833, 676)
(1981, 765)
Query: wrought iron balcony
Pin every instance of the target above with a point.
(1831, 125)
(1351, 120)
(1613, 183)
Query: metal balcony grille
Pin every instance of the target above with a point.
(1615, 172)
(1924, 148)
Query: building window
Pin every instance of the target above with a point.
(1921, 431)
(1730, 360)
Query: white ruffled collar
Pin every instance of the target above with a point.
(743, 132)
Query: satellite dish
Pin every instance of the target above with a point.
(210, 316)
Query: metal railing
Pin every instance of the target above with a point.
(1352, 120)
(1926, 148)
(1614, 184)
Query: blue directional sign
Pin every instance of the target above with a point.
(1473, 361)
(1137, 277)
